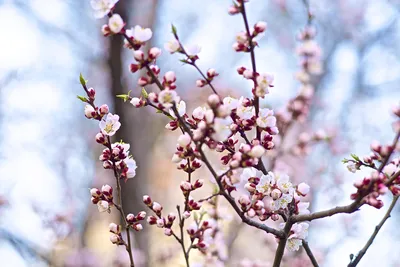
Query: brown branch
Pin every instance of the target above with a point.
(309, 253)
(374, 234)
(282, 243)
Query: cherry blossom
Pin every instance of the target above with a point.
(102, 7)
(109, 124)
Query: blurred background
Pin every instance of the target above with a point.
(49, 155)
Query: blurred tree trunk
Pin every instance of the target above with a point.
(136, 129)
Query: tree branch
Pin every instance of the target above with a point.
(362, 252)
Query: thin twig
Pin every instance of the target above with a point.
(374, 234)
(309, 253)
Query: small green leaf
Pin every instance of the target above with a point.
(82, 80)
(174, 32)
(124, 97)
(345, 160)
(144, 93)
(82, 98)
(354, 156)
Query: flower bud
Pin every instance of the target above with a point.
(260, 27)
(107, 190)
(244, 200)
(138, 55)
(141, 215)
(170, 77)
(114, 228)
(89, 112)
(103, 109)
(138, 227)
(211, 73)
(91, 93)
(134, 67)
(167, 231)
(147, 200)
(151, 220)
(160, 223)
(201, 83)
(199, 183)
(257, 151)
(100, 138)
(274, 217)
(303, 189)
(186, 186)
(213, 100)
(171, 217)
(184, 140)
(130, 218)
(94, 192)
(154, 53)
(186, 214)
(276, 194)
(251, 213)
(157, 207)
(115, 239)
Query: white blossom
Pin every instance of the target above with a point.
(193, 50)
(199, 113)
(139, 33)
(266, 118)
(351, 166)
(221, 128)
(172, 46)
(116, 23)
(109, 124)
(181, 107)
(131, 163)
(231, 102)
(102, 7)
(266, 183)
(102, 205)
(167, 97)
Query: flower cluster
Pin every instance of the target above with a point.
(162, 222)
(298, 232)
(272, 195)
(103, 198)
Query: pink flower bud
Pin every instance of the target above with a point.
(167, 231)
(100, 138)
(211, 73)
(91, 93)
(200, 83)
(151, 220)
(303, 189)
(199, 183)
(213, 100)
(138, 55)
(248, 74)
(136, 102)
(170, 77)
(186, 186)
(160, 223)
(94, 192)
(147, 200)
(171, 217)
(89, 111)
(154, 52)
(260, 27)
(257, 151)
(157, 207)
(114, 228)
(107, 190)
(134, 67)
(141, 215)
(107, 164)
(186, 214)
(250, 187)
(103, 109)
(244, 200)
(184, 140)
(258, 205)
(241, 70)
(143, 81)
(251, 213)
(138, 227)
(274, 217)
(130, 218)
(276, 194)
(115, 239)
(233, 10)
(105, 30)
